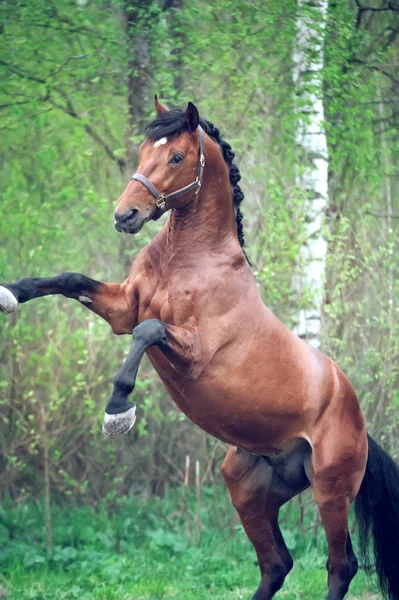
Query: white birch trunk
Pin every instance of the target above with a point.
(312, 172)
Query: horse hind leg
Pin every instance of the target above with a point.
(258, 490)
(334, 512)
(337, 474)
(249, 479)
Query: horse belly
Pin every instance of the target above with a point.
(260, 392)
(241, 411)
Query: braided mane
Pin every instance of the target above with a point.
(172, 123)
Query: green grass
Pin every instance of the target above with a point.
(158, 575)
(146, 551)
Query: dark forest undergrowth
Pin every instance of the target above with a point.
(159, 548)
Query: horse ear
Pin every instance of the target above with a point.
(158, 106)
(191, 116)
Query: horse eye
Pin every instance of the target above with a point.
(177, 159)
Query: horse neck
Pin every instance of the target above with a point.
(206, 225)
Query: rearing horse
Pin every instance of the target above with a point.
(289, 413)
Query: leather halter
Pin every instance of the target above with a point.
(161, 199)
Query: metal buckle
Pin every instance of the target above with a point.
(202, 160)
(160, 202)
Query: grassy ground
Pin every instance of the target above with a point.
(156, 575)
(140, 552)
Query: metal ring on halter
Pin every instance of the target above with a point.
(162, 200)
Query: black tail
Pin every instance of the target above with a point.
(377, 512)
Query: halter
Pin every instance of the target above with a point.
(161, 199)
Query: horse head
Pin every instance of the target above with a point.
(170, 170)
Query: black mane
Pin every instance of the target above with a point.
(172, 124)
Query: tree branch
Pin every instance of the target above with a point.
(362, 9)
(69, 109)
(390, 119)
(81, 29)
(376, 68)
(22, 74)
(29, 116)
(368, 212)
(65, 62)
(14, 103)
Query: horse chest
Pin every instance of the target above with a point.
(172, 304)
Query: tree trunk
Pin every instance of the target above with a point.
(175, 18)
(312, 170)
(138, 39)
(138, 33)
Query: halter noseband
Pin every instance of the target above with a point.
(161, 200)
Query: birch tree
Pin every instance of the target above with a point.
(312, 170)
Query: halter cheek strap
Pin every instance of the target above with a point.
(162, 200)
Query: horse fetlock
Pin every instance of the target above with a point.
(274, 570)
(8, 302)
(340, 571)
(120, 423)
(269, 586)
(123, 385)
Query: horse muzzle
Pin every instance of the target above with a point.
(130, 221)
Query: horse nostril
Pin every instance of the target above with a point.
(129, 215)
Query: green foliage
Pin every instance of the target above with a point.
(367, 350)
(75, 90)
(76, 86)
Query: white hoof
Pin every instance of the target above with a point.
(8, 302)
(115, 425)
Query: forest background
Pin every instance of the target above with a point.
(76, 90)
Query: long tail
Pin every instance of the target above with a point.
(377, 512)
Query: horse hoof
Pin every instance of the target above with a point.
(120, 423)
(8, 302)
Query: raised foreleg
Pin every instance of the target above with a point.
(179, 345)
(108, 300)
(120, 414)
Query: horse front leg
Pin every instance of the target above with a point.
(180, 345)
(120, 414)
(108, 300)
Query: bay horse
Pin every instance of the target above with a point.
(288, 412)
